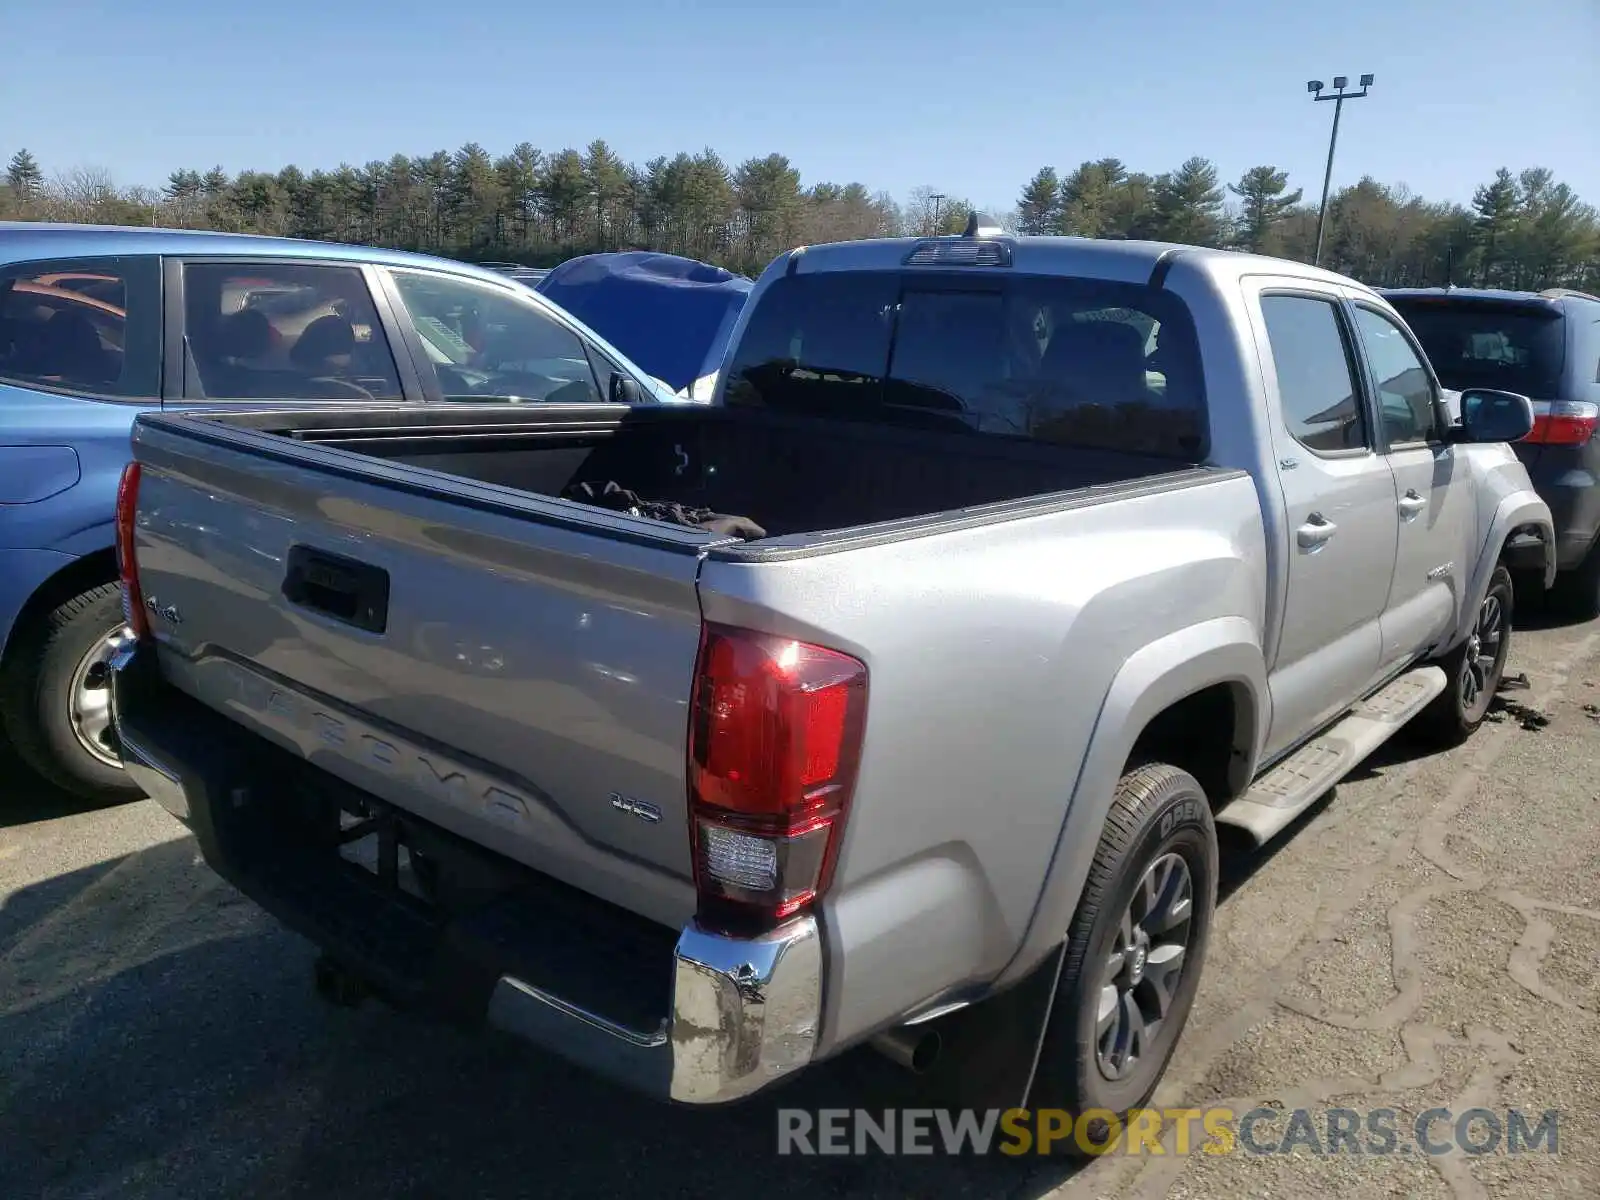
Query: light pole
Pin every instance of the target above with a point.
(1338, 96)
(937, 198)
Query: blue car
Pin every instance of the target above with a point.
(673, 316)
(99, 324)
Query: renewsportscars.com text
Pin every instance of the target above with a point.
(1158, 1131)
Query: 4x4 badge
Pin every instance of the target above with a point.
(638, 808)
(168, 612)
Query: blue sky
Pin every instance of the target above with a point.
(970, 98)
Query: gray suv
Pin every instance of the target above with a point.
(1545, 345)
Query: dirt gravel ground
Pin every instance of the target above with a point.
(1429, 937)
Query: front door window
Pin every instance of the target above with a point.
(483, 343)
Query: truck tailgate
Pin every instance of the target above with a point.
(504, 665)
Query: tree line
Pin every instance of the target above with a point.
(1523, 229)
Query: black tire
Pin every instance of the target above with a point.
(36, 695)
(1159, 811)
(1451, 718)
(1576, 593)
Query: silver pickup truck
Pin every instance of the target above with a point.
(1030, 562)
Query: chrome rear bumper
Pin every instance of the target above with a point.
(743, 1013)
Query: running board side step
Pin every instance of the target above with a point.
(1293, 785)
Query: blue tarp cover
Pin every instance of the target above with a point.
(672, 316)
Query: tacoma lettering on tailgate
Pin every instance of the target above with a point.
(310, 725)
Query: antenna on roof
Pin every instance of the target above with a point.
(980, 225)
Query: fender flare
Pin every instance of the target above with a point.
(1225, 650)
(1517, 510)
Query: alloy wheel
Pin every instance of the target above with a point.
(1141, 973)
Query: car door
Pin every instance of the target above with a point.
(270, 330)
(80, 358)
(1338, 497)
(1435, 509)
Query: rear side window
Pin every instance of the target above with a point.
(1317, 393)
(262, 331)
(87, 326)
(1070, 361)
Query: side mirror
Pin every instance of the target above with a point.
(625, 390)
(1488, 415)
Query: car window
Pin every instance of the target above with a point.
(1405, 392)
(265, 331)
(1070, 361)
(1486, 344)
(1317, 392)
(486, 343)
(91, 327)
(817, 344)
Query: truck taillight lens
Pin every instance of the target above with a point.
(1564, 423)
(127, 561)
(774, 744)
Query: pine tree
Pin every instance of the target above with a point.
(1187, 204)
(24, 177)
(1498, 206)
(607, 176)
(1265, 202)
(1038, 209)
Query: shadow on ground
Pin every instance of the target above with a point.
(186, 1054)
(160, 1036)
(25, 798)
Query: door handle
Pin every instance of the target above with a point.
(352, 592)
(1317, 530)
(1411, 504)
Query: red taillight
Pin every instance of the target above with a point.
(774, 744)
(1564, 423)
(127, 560)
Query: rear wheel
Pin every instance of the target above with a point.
(55, 694)
(1135, 948)
(1474, 668)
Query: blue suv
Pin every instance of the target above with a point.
(98, 324)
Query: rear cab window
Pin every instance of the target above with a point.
(1068, 361)
(89, 327)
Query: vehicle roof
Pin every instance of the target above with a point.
(1551, 298)
(21, 241)
(1096, 258)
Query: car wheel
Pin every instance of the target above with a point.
(55, 693)
(1134, 951)
(1473, 669)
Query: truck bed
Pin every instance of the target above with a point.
(791, 475)
(399, 598)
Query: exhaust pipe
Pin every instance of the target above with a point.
(912, 1046)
